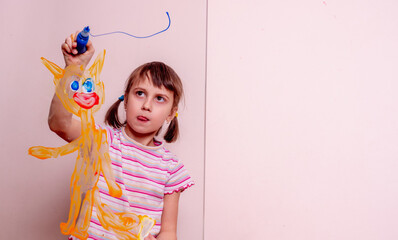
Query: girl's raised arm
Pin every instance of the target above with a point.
(60, 120)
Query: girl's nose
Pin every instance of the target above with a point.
(146, 105)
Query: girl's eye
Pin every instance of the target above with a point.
(140, 93)
(74, 85)
(160, 99)
(88, 86)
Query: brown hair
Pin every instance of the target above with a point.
(161, 75)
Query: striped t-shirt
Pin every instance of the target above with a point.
(145, 174)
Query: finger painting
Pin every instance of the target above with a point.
(82, 93)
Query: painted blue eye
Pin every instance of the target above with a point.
(88, 86)
(74, 85)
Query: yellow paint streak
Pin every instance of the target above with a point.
(93, 158)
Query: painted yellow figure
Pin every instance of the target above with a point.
(82, 93)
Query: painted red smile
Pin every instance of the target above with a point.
(86, 100)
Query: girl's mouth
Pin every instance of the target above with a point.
(142, 119)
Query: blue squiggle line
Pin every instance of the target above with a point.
(98, 35)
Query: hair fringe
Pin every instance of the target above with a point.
(112, 116)
(172, 132)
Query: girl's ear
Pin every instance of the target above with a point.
(125, 99)
(172, 115)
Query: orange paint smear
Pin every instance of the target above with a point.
(93, 158)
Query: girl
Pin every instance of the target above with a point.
(150, 176)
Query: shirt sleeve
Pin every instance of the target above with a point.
(110, 132)
(179, 179)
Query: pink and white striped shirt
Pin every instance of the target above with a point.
(145, 174)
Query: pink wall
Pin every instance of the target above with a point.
(301, 114)
(302, 120)
(35, 193)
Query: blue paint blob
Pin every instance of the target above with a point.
(88, 86)
(74, 85)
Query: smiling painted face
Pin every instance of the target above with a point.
(79, 89)
(86, 97)
(147, 108)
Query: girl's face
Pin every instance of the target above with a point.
(147, 108)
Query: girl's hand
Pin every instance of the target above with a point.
(71, 55)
